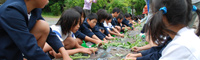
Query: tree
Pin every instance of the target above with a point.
(100, 4)
(72, 3)
(138, 6)
(121, 4)
(55, 7)
(109, 5)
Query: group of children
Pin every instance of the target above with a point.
(25, 34)
(73, 27)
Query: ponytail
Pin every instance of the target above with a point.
(155, 27)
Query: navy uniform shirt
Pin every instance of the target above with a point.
(126, 22)
(86, 29)
(118, 24)
(79, 34)
(114, 22)
(155, 52)
(106, 30)
(15, 33)
(96, 31)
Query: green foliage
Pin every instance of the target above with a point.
(55, 9)
(121, 4)
(124, 5)
(139, 5)
(79, 55)
(100, 4)
(73, 3)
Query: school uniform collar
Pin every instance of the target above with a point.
(184, 29)
(86, 23)
(182, 32)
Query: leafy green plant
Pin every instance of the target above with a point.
(119, 55)
(79, 55)
(55, 9)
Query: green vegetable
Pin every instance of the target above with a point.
(119, 55)
(128, 43)
(79, 55)
(113, 35)
(146, 43)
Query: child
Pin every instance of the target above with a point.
(110, 28)
(24, 31)
(119, 23)
(125, 21)
(171, 19)
(136, 19)
(152, 51)
(81, 36)
(102, 15)
(89, 25)
(65, 28)
(115, 14)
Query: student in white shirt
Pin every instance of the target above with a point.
(107, 24)
(171, 18)
(65, 28)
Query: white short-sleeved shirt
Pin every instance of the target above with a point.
(57, 29)
(184, 46)
(107, 26)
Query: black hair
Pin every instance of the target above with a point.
(102, 14)
(134, 18)
(92, 16)
(79, 10)
(178, 13)
(139, 16)
(68, 19)
(109, 17)
(127, 15)
(130, 14)
(120, 17)
(116, 10)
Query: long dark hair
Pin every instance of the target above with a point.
(79, 10)
(68, 19)
(178, 13)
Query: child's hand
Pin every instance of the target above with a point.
(129, 57)
(122, 35)
(136, 49)
(85, 50)
(109, 38)
(93, 50)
